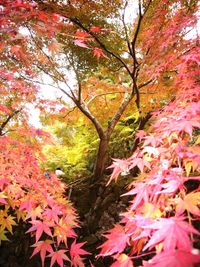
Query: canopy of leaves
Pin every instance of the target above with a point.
(154, 55)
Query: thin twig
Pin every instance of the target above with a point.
(125, 29)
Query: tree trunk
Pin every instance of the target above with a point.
(101, 158)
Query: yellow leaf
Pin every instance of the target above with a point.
(7, 222)
(150, 211)
(3, 237)
(21, 214)
(198, 140)
(191, 202)
(188, 167)
(3, 213)
(173, 136)
(37, 212)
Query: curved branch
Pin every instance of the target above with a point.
(102, 45)
(3, 125)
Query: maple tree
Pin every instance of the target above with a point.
(160, 57)
(59, 30)
(158, 222)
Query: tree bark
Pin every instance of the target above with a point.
(101, 158)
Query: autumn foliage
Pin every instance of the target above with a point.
(28, 196)
(159, 221)
(159, 227)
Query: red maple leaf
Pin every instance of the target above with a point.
(43, 247)
(95, 29)
(177, 258)
(81, 35)
(172, 232)
(98, 52)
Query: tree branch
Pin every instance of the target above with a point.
(60, 75)
(102, 94)
(126, 31)
(78, 78)
(135, 62)
(3, 125)
(127, 99)
(145, 84)
(102, 45)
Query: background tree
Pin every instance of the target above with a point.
(72, 29)
(73, 150)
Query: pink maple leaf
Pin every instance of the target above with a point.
(176, 258)
(119, 166)
(3, 181)
(4, 109)
(142, 191)
(116, 243)
(75, 252)
(171, 187)
(138, 159)
(43, 247)
(152, 139)
(2, 200)
(173, 232)
(52, 214)
(40, 227)
(76, 249)
(80, 43)
(58, 256)
(140, 134)
(27, 205)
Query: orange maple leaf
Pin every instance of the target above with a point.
(189, 203)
